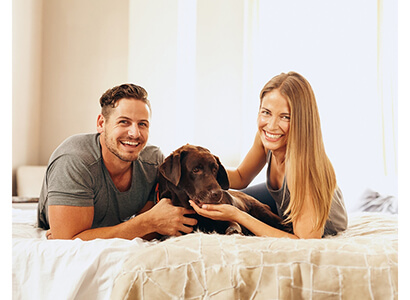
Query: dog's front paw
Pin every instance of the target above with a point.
(234, 228)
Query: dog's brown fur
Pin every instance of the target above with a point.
(193, 173)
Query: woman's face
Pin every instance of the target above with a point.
(274, 121)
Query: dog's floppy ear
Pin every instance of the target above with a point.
(222, 177)
(171, 168)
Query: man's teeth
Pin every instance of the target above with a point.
(131, 143)
(273, 136)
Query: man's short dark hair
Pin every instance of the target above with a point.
(128, 90)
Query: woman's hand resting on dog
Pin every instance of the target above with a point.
(226, 212)
(221, 212)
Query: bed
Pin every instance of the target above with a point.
(360, 263)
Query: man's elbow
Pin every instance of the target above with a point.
(57, 235)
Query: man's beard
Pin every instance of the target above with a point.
(112, 147)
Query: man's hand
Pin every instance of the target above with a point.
(171, 220)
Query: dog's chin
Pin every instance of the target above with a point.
(198, 202)
(205, 198)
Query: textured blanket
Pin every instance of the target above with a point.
(360, 263)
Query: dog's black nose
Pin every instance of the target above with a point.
(216, 195)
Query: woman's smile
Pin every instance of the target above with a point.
(272, 137)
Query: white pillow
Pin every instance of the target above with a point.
(29, 180)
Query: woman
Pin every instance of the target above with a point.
(300, 176)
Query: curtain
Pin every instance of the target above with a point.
(204, 62)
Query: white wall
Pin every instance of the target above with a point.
(26, 80)
(65, 55)
(85, 52)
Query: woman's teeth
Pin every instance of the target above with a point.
(273, 136)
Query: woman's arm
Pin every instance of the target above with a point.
(251, 165)
(303, 227)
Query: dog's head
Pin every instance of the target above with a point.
(197, 172)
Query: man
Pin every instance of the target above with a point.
(96, 183)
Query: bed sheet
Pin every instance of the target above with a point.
(362, 261)
(61, 269)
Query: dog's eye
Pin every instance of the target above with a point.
(196, 170)
(214, 168)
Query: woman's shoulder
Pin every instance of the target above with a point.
(338, 217)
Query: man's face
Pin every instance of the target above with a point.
(125, 131)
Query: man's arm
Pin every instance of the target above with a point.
(70, 222)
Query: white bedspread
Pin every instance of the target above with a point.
(59, 269)
(361, 261)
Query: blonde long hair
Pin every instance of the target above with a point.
(308, 169)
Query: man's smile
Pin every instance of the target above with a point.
(130, 143)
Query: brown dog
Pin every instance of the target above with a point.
(193, 173)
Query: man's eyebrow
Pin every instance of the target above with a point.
(123, 118)
(128, 118)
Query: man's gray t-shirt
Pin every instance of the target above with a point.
(76, 176)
